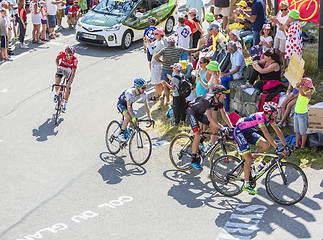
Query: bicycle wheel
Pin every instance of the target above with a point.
(140, 147)
(111, 137)
(226, 175)
(229, 149)
(58, 108)
(293, 191)
(180, 151)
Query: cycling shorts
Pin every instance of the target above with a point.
(122, 106)
(244, 137)
(65, 72)
(195, 118)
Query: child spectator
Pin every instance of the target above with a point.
(44, 13)
(73, 14)
(178, 101)
(183, 34)
(198, 31)
(22, 20)
(306, 89)
(4, 36)
(288, 103)
(266, 39)
(149, 33)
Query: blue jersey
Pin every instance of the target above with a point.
(149, 33)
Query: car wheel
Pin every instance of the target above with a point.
(126, 39)
(169, 25)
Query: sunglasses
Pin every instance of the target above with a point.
(70, 54)
(285, 9)
(202, 62)
(156, 34)
(143, 88)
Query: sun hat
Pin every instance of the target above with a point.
(266, 26)
(193, 10)
(171, 39)
(184, 64)
(307, 82)
(294, 14)
(242, 4)
(177, 66)
(213, 66)
(209, 17)
(159, 31)
(236, 33)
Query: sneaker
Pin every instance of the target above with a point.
(8, 60)
(55, 98)
(121, 137)
(247, 85)
(249, 189)
(64, 108)
(24, 46)
(197, 166)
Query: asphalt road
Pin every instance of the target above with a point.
(60, 182)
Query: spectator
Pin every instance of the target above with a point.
(187, 70)
(217, 36)
(22, 20)
(198, 30)
(156, 67)
(199, 6)
(191, 24)
(44, 13)
(238, 18)
(201, 83)
(306, 89)
(222, 7)
(247, 26)
(280, 38)
(178, 101)
(7, 20)
(183, 34)
(257, 18)
(36, 20)
(60, 14)
(52, 18)
(73, 14)
(149, 33)
(233, 70)
(266, 39)
(171, 54)
(288, 103)
(14, 16)
(234, 36)
(215, 72)
(4, 36)
(207, 38)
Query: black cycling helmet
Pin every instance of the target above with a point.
(219, 89)
(271, 107)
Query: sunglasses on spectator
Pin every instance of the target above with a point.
(285, 9)
(156, 34)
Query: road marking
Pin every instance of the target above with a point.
(243, 222)
(160, 143)
(84, 216)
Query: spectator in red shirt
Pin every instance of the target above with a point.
(73, 14)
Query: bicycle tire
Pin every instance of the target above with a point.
(58, 108)
(230, 149)
(222, 166)
(288, 194)
(111, 137)
(139, 141)
(180, 152)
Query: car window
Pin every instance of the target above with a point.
(115, 7)
(156, 3)
(142, 7)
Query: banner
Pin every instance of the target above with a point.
(309, 9)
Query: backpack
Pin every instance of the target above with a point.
(184, 87)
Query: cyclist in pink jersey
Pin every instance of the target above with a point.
(245, 133)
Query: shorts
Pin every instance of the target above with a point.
(74, 20)
(149, 56)
(164, 75)
(4, 42)
(300, 123)
(43, 21)
(122, 106)
(52, 21)
(279, 44)
(65, 72)
(244, 137)
(60, 13)
(223, 11)
(196, 118)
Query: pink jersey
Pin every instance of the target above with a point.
(255, 122)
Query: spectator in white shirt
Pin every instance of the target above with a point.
(184, 35)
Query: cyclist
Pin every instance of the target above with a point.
(126, 99)
(200, 110)
(245, 133)
(66, 64)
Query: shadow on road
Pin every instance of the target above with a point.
(46, 129)
(115, 169)
(319, 195)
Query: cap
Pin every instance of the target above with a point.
(307, 82)
(213, 25)
(213, 66)
(236, 33)
(75, 1)
(266, 26)
(193, 10)
(242, 4)
(294, 14)
(171, 39)
(159, 31)
(209, 17)
(177, 66)
(184, 64)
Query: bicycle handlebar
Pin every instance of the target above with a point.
(152, 122)
(57, 85)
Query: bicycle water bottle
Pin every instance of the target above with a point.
(201, 147)
(254, 170)
(261, 166)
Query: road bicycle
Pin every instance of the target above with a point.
(180, 150)
(60, 97)
(137, 140)
(285, 182)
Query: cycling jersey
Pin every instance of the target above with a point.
(68, 63)
(131, 97)
(255, 122)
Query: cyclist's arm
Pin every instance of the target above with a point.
(211, 119)
(129, 107)
(268, 136)
(226, 118)
(147, 110)
(279, 134)
(72, 74)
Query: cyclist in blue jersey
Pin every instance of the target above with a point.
(126, 99)
(245, 133)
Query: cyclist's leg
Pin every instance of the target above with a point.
(197, 134)
(68, 90)
(261, 142)
(58, 79)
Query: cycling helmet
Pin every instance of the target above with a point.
(219, 89)
(271, 107)
(139, 82)
(70, 50)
